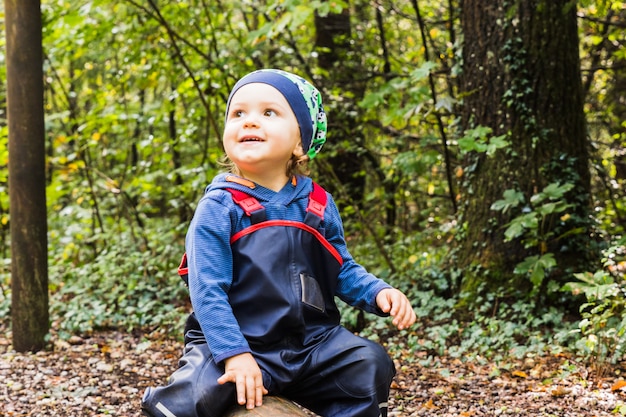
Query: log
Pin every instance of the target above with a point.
(272, 407)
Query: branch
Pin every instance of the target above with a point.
(327, 167)
(607, 21)
(433, 92)
(174, 38)
(159, 18)
(596, 56)
(383, 41)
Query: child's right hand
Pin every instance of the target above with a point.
(394, 302)
(244, 372)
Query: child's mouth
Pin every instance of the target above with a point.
(251, 139)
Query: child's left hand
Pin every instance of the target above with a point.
(394, 302)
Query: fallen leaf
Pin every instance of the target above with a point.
(560, 392)
(618, 385)
(520, 374)
(430, 405)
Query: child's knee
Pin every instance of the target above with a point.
(370, 375)
(192, 389)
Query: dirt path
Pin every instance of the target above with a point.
(106, 374)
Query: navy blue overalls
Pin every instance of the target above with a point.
(285, 275)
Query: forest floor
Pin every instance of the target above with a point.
(105, 374)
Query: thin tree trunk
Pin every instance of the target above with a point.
(333, 32)
(27, 182)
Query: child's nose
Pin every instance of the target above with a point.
(252, 120)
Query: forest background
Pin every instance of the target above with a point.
(476, 149)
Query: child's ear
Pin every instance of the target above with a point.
(298, 151)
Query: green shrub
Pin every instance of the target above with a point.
(602, 327)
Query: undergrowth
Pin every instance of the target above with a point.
(492, 328)
(132, 285)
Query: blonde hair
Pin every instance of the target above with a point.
(298, 165)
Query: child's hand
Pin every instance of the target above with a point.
(244, 372)
(399, 307)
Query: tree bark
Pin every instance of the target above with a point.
(521, 77)
(333, 34)
(27, 182)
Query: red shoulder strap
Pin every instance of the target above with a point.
(251, 206)
(183, 269)
(247, 203)
(317, 201)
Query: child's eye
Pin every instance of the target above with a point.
(236, 114)
(269, 112)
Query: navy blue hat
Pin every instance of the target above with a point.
(305, 101)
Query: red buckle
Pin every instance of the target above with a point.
(316, 208)
(250, 205)
(247, 203)
(317, 201)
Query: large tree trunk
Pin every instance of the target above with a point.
(521, 77)
(27, 182)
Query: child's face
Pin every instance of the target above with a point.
(261, 132)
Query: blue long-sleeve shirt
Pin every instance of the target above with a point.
(210, 259)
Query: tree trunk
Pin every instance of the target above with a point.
(27, 179)
(335, 51)
(272, 407)
(521, 77)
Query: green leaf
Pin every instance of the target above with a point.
(519, 225)
(553, 191)
(536, 267)
(495, 143)
(422, 72)
(474, 139)
(512, 198)
(597, 286)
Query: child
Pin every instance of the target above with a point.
(266, 257)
